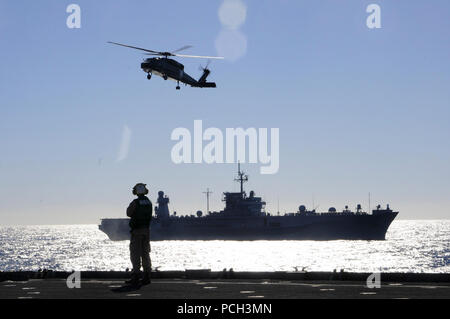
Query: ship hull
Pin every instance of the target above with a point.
(300, 227)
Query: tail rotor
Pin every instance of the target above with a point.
(201, 68)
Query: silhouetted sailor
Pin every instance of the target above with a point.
(140, 211)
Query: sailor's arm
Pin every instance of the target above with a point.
(131, 209)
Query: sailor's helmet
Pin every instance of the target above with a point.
(140, 189)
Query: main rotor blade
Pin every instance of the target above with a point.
(182, 48)
(129, 46)
(199, 56)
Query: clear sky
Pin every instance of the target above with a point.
(359, 110)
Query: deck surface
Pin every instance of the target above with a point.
(219, 288)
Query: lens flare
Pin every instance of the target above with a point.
(232, 13)
(231, 44)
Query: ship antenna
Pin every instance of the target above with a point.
(208, 192)
(241, 177)
(278, 205)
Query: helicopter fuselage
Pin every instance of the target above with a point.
(173, 70)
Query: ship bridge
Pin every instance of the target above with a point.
(239, 204)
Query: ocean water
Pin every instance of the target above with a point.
(411, 246)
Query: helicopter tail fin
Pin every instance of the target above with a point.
(205, 74)
(201, 83)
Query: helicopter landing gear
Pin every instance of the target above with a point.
(165, 77)
(149, 76)
(178, 86)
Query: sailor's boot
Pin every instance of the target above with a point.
(146, 279)
(134, 280)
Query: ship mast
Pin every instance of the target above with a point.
(208, 192)
(241, 178)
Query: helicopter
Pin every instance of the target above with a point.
(171, 69)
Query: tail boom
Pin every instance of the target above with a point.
(205, 85)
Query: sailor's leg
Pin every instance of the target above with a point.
(135, 252)
(146, 262)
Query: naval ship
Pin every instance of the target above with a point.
(244, 218)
